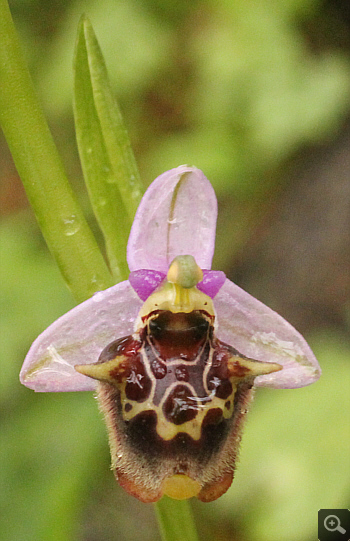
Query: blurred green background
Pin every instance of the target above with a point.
(256, 93)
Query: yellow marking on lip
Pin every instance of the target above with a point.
(166, 429)
(101, 371)
(251, 366)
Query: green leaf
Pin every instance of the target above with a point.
(39, 165)
(107, 159)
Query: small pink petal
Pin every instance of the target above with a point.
(260, 333)
(177, 216)
(78, 337)
(212, 282)
(144, 282)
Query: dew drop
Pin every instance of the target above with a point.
(99, 296)
(94, 279)
(71, 225)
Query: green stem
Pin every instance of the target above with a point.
(175, 520)
(38, 163)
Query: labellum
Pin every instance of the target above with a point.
(173, 395)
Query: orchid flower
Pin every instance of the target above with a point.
(174, 353)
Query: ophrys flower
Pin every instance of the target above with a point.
(174, 352)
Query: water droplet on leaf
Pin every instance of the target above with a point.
(71, 225)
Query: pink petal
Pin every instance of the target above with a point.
(177, 216)
(260, 333)
(212, 282)
(78, 337)
(144, 282)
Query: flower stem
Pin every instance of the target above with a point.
(175, 520)
(60, 217)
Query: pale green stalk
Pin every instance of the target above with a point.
(175, 520)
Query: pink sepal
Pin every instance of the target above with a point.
(177, 216)
(78, 337)
(260, 333)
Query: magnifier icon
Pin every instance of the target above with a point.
(332, 524)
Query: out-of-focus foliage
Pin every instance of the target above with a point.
(32, 294)
(231, 86)
(234, 87)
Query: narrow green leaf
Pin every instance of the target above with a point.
(107, 159)
(175, 520)
(38, 163)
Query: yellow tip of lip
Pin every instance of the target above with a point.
(181, 487)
